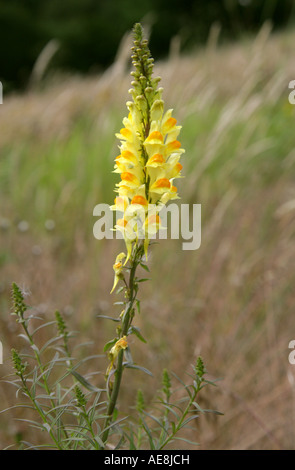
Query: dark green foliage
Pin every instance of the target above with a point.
(89, 32)
(73, 418)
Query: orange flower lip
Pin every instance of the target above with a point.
(127, 155)
(157, 158)
(139, 200)
(173, 145)
(169, 124)
(122, 343)
(117, 265)
(156, 135)
(161, 183)
(123, 187)
(127, 176)
(126, 133)
(178, 166)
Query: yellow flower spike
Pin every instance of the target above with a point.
(149, 150)
(148, 163)
(120, 344)
(117, 267)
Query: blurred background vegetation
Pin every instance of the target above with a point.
(225, 68)
(88, 32)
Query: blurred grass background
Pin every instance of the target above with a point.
(232, 301)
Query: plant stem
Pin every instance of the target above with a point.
(40, 411)
(126, 322)
(184, 414)
(43, 374)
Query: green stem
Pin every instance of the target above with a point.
(127, 319)
(90, 428)
(46, 386)
(40, 411)
(179, 424)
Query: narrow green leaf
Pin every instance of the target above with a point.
(136, 331)
(120, 290)
(198, 407)
(128, 356)
(156, 420)
(121, 441)
(84, 382)
(215, 412)
(109, 344)
(138, 305)
(108, 318)
(148, 432)
(169, 407)
(46, 345)
(134, 366)
(44, 325)
(52, 363)
(145, 267)
(188, 420)
(186, 440)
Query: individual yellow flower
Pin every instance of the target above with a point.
(120, 344)
(117, 267)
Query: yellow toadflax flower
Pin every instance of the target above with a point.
(150, 151)
(117, 267)
(120, 344)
